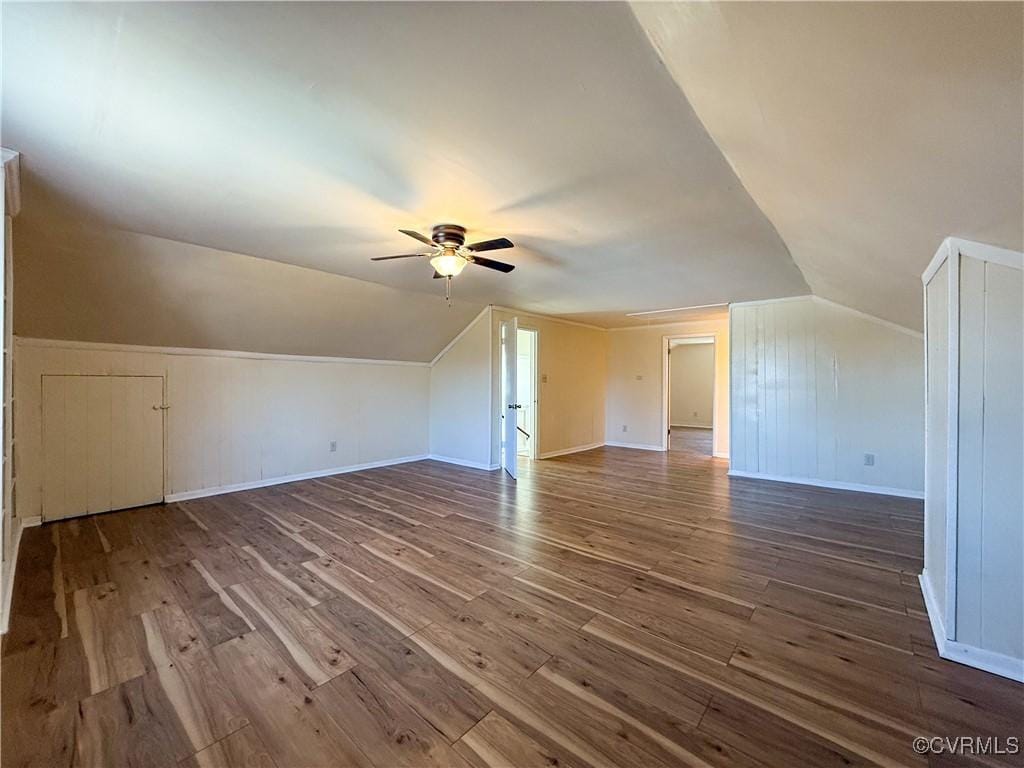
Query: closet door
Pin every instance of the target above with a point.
(102, 443)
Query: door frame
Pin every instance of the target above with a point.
(508, 442)
(666, 343)
(534, 441)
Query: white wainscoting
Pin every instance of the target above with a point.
(236, 419)
(816, 386)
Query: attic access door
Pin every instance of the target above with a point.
(103, 443)
(509, 405)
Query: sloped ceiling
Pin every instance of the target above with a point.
(866, 132)
(309, 133)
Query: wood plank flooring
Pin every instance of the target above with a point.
(613, 608)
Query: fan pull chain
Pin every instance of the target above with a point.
(448, 290)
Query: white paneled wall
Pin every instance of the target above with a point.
(973, 579)
(238, 420)
(816, 387)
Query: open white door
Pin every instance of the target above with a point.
(509, 405)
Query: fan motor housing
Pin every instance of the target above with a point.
(448, 234)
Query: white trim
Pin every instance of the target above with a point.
(865, 316)
(936, 263)
(552, 318)
(565, 451)
(455, 341)
(691, 426)
(31, 521)
(666, 395)
(932, 609)
(11, 164)
(952, 439)
(100, 346)
(962, 653)
(8, 585)
(463, 462)
(720, 454)
(783, 300)
(833, 484)
(985, 252)
(638, 446)
(218, 490)
(673, 324)
(676, 309)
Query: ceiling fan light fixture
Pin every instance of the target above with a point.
(448, 264)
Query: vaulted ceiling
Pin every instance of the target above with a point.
(826, 146)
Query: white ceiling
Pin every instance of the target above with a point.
(309, 133)
(866, 132)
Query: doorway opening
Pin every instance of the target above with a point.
(526, 393)
(688, 416)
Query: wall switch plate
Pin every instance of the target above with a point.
(625, 428)
(639, 377)
(334, 446)
(869, 459)
(543, 378)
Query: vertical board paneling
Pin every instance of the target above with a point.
(936, 434)
(232, 420)
(816, 386)
(1002, 574)
(971, 440)
(97, 442)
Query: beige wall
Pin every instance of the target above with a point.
(636, 387)
(126, 288)
(460, 392)
(571, 401)
(239, 420)
(691, 385)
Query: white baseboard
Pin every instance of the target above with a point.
(721, 454)
(833, 484)
(463, 462)
(216, 491)
(962, 653)
(566, 451)
(690, 426)
(638, 446)
(18, 524)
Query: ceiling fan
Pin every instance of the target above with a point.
(450, 254)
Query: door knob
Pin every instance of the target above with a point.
(514, 406)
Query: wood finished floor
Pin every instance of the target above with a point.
(615, 607)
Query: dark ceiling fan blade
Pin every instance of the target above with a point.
(501, 266)
(417, 236)
(438, 275)
(492, 245)
(399, 256)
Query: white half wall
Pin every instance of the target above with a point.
(691, 385)
(816, 386)
(460, 397)
(239, 419)
(636, 393)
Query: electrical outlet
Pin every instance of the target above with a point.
(334, 446)
(869, 459)
(639, 377)
(543, 378)
(625, 428)
(695, 414)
